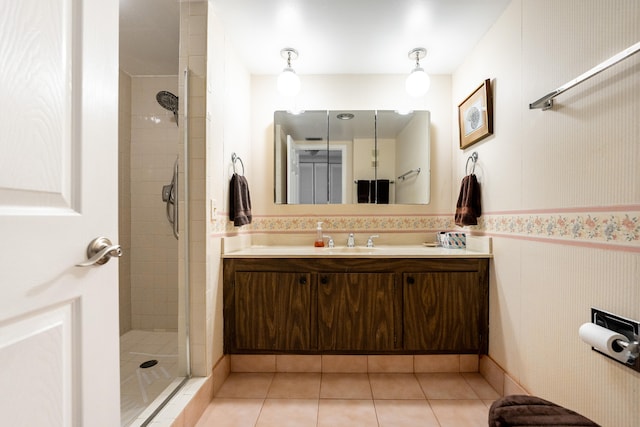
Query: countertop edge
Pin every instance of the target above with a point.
(296, 252)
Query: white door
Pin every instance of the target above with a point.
(58, 191)
(293, 170)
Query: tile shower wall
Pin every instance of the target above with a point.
(154, 250)
(124, 200)
(193, 55)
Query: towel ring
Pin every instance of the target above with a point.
(234, 158)
(474, 158)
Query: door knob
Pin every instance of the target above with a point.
(100, 251)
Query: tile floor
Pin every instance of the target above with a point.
(357, 399)
(139, 387)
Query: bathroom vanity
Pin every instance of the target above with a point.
(319, 301)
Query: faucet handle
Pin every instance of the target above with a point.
(370, 240)
(330, 243)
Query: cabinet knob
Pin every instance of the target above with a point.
(303, 280)
(411, 280)
(324, 280)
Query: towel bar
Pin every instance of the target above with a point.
(412, 171)
(546, 102)
(355, 181)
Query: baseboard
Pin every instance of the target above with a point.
(498, 377)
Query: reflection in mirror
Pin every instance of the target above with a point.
(353, 156)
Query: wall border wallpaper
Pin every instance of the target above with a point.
(609, 227)
(613, 227)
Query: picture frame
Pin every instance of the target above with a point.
(475, 115)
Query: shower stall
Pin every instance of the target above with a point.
(152, 363)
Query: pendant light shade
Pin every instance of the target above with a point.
(418, 82)
(288, 80)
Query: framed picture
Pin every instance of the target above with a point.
(475, 116)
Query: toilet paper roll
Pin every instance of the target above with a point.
(603, 340)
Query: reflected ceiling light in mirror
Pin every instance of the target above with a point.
(288, 80)
(345, 116)
(418, 82)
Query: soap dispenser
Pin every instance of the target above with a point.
(319, 236)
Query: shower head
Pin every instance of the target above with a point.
(169, 102)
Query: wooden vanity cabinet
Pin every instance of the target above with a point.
(356, 305)
(356, 312)
(443, 312)
(272, 311)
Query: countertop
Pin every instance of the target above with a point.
(391, 251)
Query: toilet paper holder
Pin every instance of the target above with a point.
(633, 347)
(628, 328)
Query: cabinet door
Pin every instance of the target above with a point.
(443, 311)
(272, 311)
(356, 312)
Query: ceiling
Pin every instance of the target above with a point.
(149, 37)
(332, 36)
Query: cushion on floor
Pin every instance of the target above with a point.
(521, 410)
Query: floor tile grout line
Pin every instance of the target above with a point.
(474, 390)
(260, 412)
(370, 387)
(424, 393)
(375, 409)
(434, 413)
(374, 401)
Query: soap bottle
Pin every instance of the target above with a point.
(319, 243)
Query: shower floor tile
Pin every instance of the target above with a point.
(141, 386)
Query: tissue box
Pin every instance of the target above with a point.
(452, 240)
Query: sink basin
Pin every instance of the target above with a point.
(354, 250)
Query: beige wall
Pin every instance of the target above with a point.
(227, 132)
(561, 196)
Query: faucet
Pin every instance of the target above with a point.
(351, 241)
(370, 240)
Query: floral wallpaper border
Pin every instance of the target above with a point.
(615, 228)
(601, 227)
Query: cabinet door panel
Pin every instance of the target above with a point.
(272, 311)
(356, 312)
(442, 311)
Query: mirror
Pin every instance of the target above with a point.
(351, 156)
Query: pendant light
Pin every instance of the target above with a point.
(418, 82)
(288, 80)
